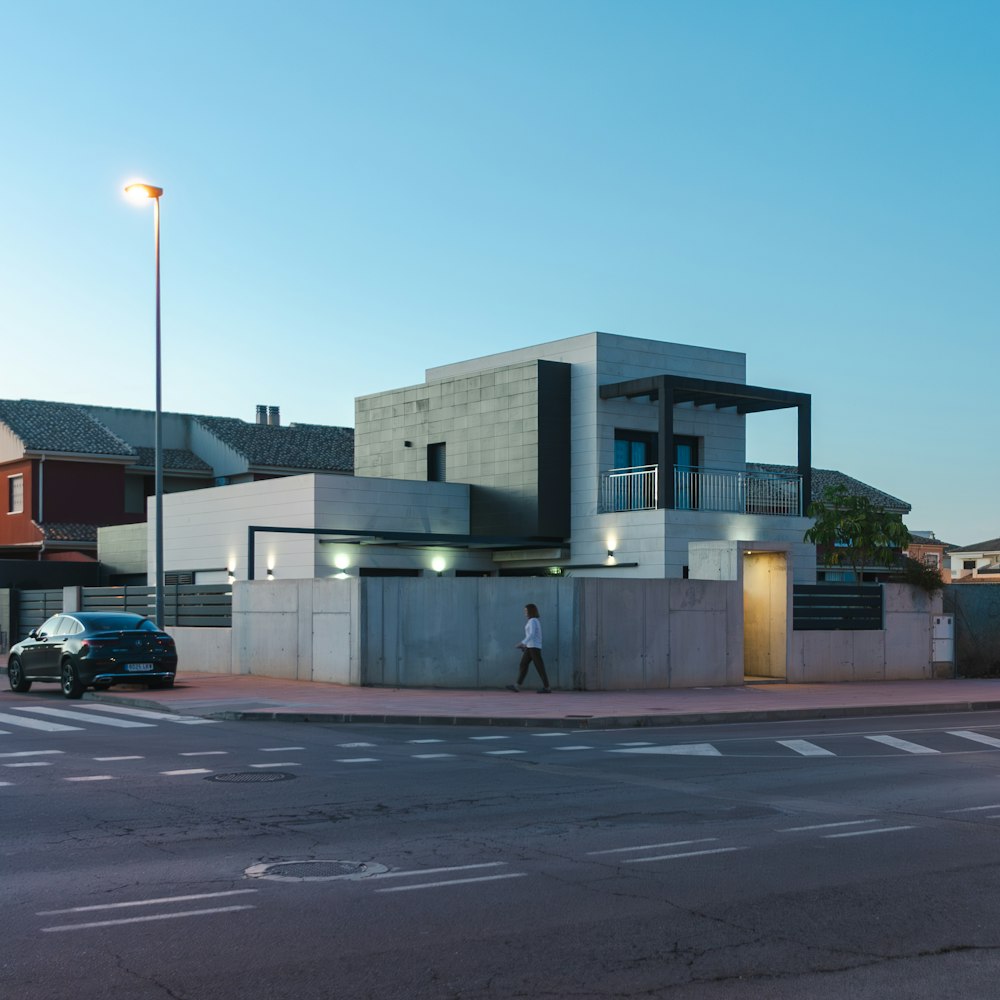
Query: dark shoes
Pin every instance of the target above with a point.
(513, 687)
(545, 690)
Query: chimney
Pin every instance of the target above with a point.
(274, 416)
(261, 413)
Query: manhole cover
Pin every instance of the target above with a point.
(314, 871)
(251, 776)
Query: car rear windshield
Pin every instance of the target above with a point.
(111, 623)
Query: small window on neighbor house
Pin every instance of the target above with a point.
(436, 468)
(15, 494)
(968, 564)
(931, 559)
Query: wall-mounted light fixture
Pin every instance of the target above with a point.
(407, 444)
(438, 564)
(341, 560)
(270, 573)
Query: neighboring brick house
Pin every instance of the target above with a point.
(925, 548)
(68, 469)
(977, 563)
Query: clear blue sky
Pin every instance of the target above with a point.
(356, 191)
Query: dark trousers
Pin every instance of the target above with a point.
(529, 656)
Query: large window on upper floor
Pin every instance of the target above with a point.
(634, 448)
(15, 494)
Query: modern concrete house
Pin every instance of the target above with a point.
(612, 460)
(593, 456)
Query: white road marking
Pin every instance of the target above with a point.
(132, 757)
(549, 735)
(636, 744)
(31, 763)
(279, 763)
(806, 749)
(352, 746)
(192, 770)
(898, 744)
(680, 749)
(502, 753)
(62, 713)
(865, 833)
(489, 737)
(48, 727)
(142, 920)
(145, 713)
(93, 777)
(826, 826)
(203, 753)
(968, 809)
(436, 871)
(30, 753)
(683, 854)
(455, 881)
(965, 734)
(6, 784)
(574, 748)
(425, 741)
(278, 749)
(356, 760)
(653, 847)
(145, 902)
(431, 756)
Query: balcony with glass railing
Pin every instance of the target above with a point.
(637, 488)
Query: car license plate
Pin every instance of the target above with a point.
(138, 668)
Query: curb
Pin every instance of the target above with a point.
(604, 722)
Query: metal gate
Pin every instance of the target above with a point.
(32, 607)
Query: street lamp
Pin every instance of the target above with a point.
(149, 191)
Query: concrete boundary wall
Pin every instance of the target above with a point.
(203, 650)
(902, 650)
(599, 634)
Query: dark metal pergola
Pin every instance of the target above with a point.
(671, 390)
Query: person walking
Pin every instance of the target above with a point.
(531, 651)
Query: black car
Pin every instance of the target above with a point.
(94, 649)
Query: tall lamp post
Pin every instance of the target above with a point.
(139, 191)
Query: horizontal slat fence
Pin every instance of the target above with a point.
(208, 605)
(33, 607)
(836, 606)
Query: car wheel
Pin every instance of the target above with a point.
(71, 686)
(15, 675)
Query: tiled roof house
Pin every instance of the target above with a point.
(68, 469)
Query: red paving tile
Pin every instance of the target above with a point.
(241, 696)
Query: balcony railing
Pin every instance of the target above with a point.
(703, 489)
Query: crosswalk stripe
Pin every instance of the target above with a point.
(47, 727)
(146, 713)
(681, 749)
(966, 734)
(807, 749)
(62, 713)
(892, 741)
(32, 753)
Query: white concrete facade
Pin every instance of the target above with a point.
(205, 531)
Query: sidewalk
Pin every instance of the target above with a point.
(221, 696)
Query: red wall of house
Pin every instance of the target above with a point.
(17, 528)
(84, 492)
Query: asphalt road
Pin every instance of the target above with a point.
(172, 858)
